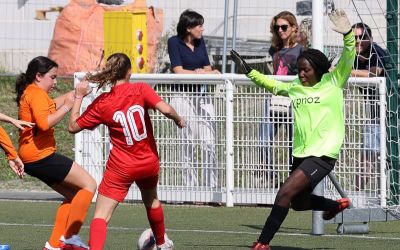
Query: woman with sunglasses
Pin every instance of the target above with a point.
(284, 48)
(284, 51)
(317, 96)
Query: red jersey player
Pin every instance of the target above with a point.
(133, 157)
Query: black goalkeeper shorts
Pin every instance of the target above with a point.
(315, 168)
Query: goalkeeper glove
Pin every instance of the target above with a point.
(241, 62)
(340, 21)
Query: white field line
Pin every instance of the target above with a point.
(216, 231)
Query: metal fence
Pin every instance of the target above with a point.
(238, 150)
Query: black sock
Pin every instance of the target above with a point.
(321, 203)
(273, 223)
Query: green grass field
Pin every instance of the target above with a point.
(27, 225)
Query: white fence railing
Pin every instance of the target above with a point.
(236, 149)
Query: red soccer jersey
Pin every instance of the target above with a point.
(124, 110)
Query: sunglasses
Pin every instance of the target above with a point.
(361, 37)
(283, 27)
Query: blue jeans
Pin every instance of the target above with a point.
(268, 131)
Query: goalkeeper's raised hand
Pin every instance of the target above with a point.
(240, 62)
(340, 21)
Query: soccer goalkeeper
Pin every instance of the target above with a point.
(317, 97)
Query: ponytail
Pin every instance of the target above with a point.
(20, 85)
(116, 68)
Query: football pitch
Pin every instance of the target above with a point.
(27, 225)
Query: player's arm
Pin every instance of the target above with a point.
(273, 86)
(17, 123)
(14, 161)
(62, 110)
(61, 99)
(170, 112)
(73, 126)
(6, 145)
(81, 90)
(40, 111)
(343, 69)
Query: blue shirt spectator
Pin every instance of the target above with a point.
(181, 55)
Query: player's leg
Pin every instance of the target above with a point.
(316, 169)
(155, 215)
(306, 174)
(296, 182)
(105, 207)
(308, 201)
(84, 186)
(112, 190)
(78, 188)
(54, 170)
(60, 223)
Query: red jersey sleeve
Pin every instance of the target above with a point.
(6, 145)
(91, 118)
(150, 97)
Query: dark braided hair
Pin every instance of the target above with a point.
(318, 61)
(38, 65)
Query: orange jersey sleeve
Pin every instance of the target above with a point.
(6, 145)
(38, 142)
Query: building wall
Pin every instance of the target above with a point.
(22, 37)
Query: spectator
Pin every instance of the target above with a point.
(284, 50)
(305, 32)
(188, 55)
(369, 62)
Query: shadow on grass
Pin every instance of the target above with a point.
(282, 229)
(214, 246)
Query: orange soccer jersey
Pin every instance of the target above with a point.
(6, 145)
(38, 142)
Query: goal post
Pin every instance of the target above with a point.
(255, 181)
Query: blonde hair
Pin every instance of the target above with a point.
(276, 41)
(116, 68)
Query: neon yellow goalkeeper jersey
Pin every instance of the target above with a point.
(318, 110)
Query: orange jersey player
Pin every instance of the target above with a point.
(37, 148)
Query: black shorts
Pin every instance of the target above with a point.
(315, 168)
(51, 169)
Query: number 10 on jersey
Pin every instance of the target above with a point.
(128, 123)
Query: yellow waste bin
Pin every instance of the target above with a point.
(126, 32)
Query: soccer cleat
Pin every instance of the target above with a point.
(48, 247)
(260, 246)
(168, 245)
(62, 241)
(74, 243)
(343, 204)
